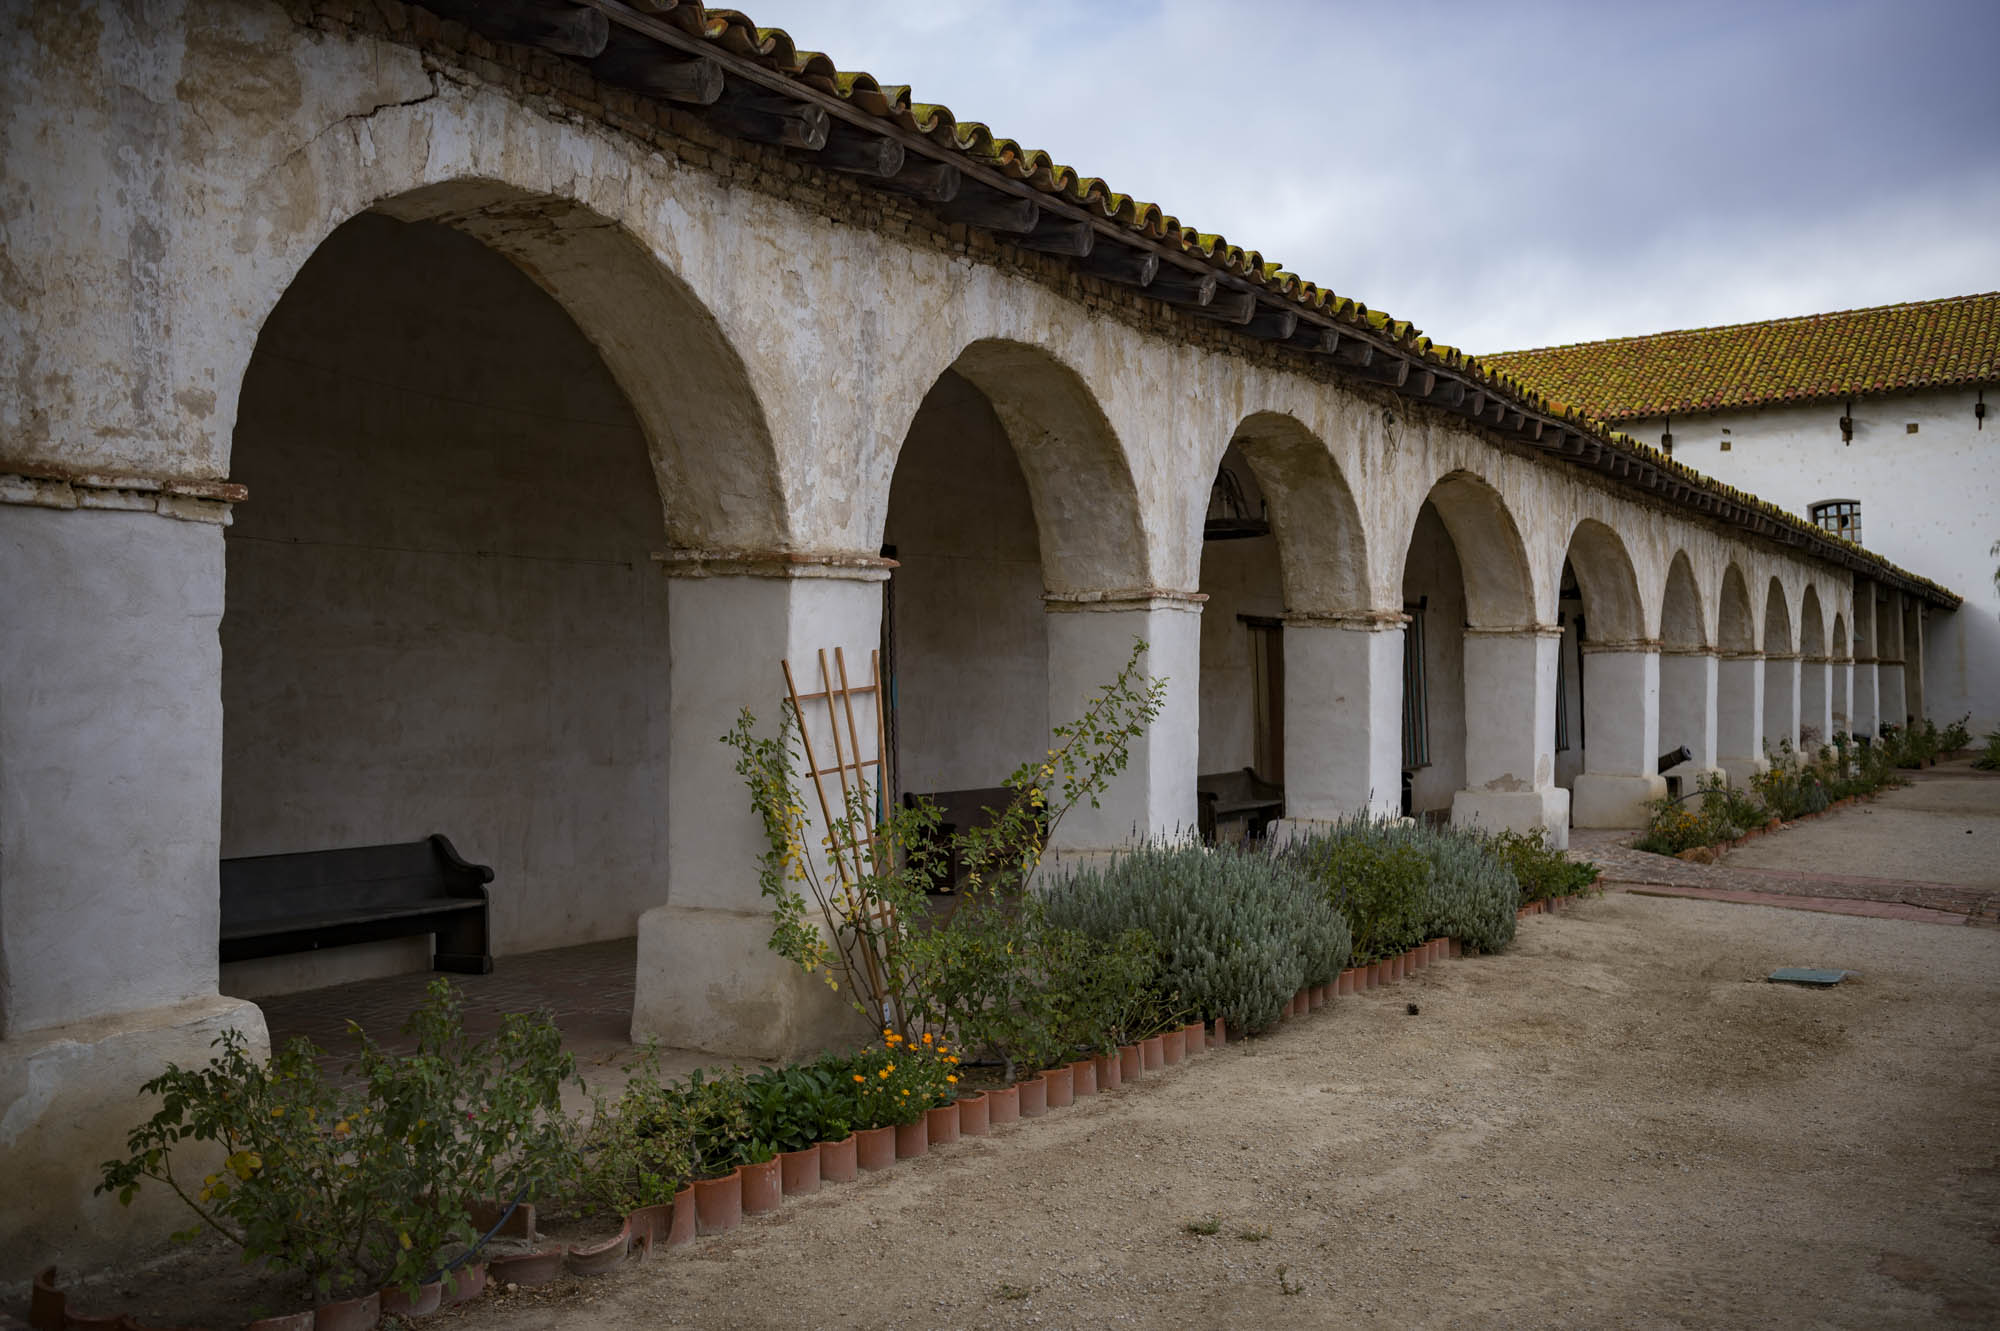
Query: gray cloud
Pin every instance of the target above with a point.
(1506, 176)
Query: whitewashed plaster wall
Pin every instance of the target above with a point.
(443, 614)
(1930, 501)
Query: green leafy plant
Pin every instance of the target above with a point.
(1989, 758)
(846, 903)
(1398, 883)
(897, 1081)
(1956, 736)
(1541, 870)
(352, 1187)
(1790, 788)
(1235, 933)
(636, 1150)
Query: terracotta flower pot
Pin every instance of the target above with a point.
(680, 1229)
(1061, 1091)
(763, 1187)
(875, 1148)
(352, 1314)
(1034, 1096)
(1083, 1077)
(1131, 1061)
(1395, 968)
(596, 1259)
(1194, 1038)
(1302, 1002)
(913, 1140)
(469, 1281)
(1003, 1105)
(1110, 1069)
(1221, 1036)
(1440, 949)
(972, 1115)
(302, 1321)
(941, 1124)
(542, 1265)
(1152, 1053)
(800, 1171)
(718, 1203)
(1419, 958)
(1343, 984)
(839, 1162)
(395, 1303)
(1319, 996)
(1173, 1046)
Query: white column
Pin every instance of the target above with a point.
(1865, 708)
(707, 978)
(1816, 697)
(1739, 716)
(1510, 701)
(1089, 643)
(1890, 699)
(1687, 712)
(1343, 716)
(1781, 701)
(1889, 695)
(1621, 726)
(1913, 658)
(110, 828)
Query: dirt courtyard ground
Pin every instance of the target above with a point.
(1617, 1123)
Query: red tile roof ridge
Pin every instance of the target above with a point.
(1781, 320)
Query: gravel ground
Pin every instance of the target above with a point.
(1943, 828)
(1615, 1124)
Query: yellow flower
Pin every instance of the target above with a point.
(859, 1077)
(884, 1074)
(927, 1037)
(277, 1111)
(905, 1092)
(950, 1078)
(951, 1058)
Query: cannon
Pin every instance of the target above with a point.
(1675, 758)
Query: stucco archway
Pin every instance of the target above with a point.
(1815, 675)
(1739, 688)
(444, 611)
(1607, 695)
(1011, 496)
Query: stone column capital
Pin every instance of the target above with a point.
(839, 565)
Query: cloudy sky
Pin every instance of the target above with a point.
(1505, 174)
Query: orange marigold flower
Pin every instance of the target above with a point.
(884, 1073)
(950, 1078)
(927, 1037)
(859, 1077)
(952, 1059)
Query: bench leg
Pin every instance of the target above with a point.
(462, 946)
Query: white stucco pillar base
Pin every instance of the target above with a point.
(68, 1096)
(1343, 719)
(1815, 701)
(1622, 721)
(1781, 702)
(110, 812)
(1089, 643)
(706, 977)
(1842, 719)
(1866, 707)
(1510, 699)
(1739, 717)
(1889, 697)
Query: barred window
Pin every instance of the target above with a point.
(1416, 696)
(1842, 517)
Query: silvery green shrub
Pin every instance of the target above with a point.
(1237, 933)
(1399, 882)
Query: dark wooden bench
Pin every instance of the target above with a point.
(277, 904)
(1240, 796)
(959, 811)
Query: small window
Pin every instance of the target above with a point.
(1842, 517)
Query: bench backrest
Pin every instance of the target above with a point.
(257, 888)
(1237, 787)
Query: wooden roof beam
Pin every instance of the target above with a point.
(554, 26)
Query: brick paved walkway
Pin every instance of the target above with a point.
(1847, 894)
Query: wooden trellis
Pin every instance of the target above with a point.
(851, 819)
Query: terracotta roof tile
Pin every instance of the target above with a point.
(1814, 357)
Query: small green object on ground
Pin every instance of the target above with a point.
(1807, 976)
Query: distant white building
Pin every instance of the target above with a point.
(1879, 424)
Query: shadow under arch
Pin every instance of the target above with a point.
(1777, 621)
(713, 455)
(1682, 623)
(1088, 521)
(1499, 590)
(1812, 625)
(1837, 646)
(1608, 582)
(1322, 550)
(1736, 624)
